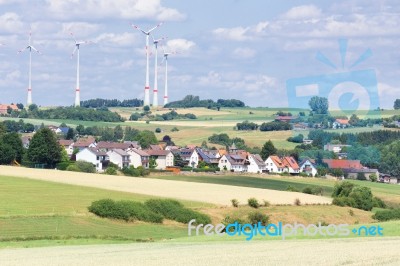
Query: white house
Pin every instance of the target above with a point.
(190, 156)
(287, 164)
(340, 123)
(163, 158)
(233, 163)
(91, 155)
(138, 157)
(256, 164)
(308, 167)
(68, 145)
(119, 157)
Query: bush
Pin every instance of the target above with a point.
(255, 217)
(361, 176)
(253, 202)
(351, 212)
(110, 171)
(174, 129)
(124, 210)
(373, 177)
(132, 171)
(235, 203)
(63, 165)
(292, 188)
(230, 220)
(387, 215)
(377, 202)
(158, 130)
(174, 210)
(362, 197)
(73, 168)
(308, 190)
(267, 203)
(297, 202)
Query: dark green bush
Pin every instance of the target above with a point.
(174, 210)
(386, 215)
(110, 171)
(255, 217)
(292, 188)
(253, 202)
(124, 210)
(235, 203)
(308, 190)
(63, 165)
(377, 202)
(132, 171)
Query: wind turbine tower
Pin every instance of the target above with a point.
(147, 84)
(77, 89)
(30, 48)
(166, 76)
(155, 89)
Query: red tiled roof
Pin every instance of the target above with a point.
(343, 121)
(157, 152)
(65, 142)
(112, 145)
(343, 164)
(291, 162)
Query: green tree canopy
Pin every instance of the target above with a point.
(396, 104)
(267, 150)
(44, 148)
(145, 138)
(319, 105)
(13, 140)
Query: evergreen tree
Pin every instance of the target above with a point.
(44, 148)
(267, 150)
(14, 141)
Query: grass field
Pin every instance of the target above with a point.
(41, 213)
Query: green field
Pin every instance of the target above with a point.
(39, 213)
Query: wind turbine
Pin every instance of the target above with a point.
(155, 89)
(30, 48)
(166, 75)
(147, 85)
(77, 89)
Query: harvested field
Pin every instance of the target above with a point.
(353, 251)
(211, 193)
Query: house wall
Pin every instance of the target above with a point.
(309, 164)
(223, 161)
(115, 158)
(194, 158)
(87, 156)
(272, 167)
(135, 159)
(253, 167)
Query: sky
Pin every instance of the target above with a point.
(242, 49)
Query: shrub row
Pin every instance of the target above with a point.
(154, 211)
(386, 215)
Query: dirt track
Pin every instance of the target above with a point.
(367, 251)
(212, 193)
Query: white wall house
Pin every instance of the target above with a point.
(256, 164)
(306, 166)
(233, 163)
(190, 156)
(163, 158)
(138, 157)
(224, 164)
(68, 145)
(91, 155)
(119, 157)
(273, 164)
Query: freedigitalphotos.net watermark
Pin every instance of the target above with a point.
(282, 230)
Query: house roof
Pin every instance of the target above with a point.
(236, 159)
(84, 142)
(3, 107)
(157, 152)
(343, 164)
(64, 130)
(97, 152)
(120, 152)
(65, 142)
(109, 145)
(342, 121)
(307, 159)
(155, 147)
(140, 152)
(191, 146)
(257, 158)
(287, 161)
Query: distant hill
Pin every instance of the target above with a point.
(194, 101)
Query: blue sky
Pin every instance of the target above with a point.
(226, 48)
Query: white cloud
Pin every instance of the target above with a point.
(302, 12)
(126, 9)
(116, 40)
(244, 53)
(181, 46)
(10, 22)
(235, 34)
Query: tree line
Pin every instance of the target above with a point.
(95, 103)
(194, 101)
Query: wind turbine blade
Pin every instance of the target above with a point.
(36, 50)
(73, 37)
(73, 52)
(137, 27)
(158, 25)
(22, 50)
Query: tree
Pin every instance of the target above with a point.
(80, 129)
(354, 120)
(9, 110)
(319, 105)
(63, 125)
(145, 138)
(33, 107)
(44, 148)
(70, 134)
(167, 139)
(118, 133)
(152, 162)
(20, 106)
(146, 108)
(28, 128)
(7, 153)
(13, 140)
(390, 159)
(396, 104)
(267, 150)
(178, 161)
